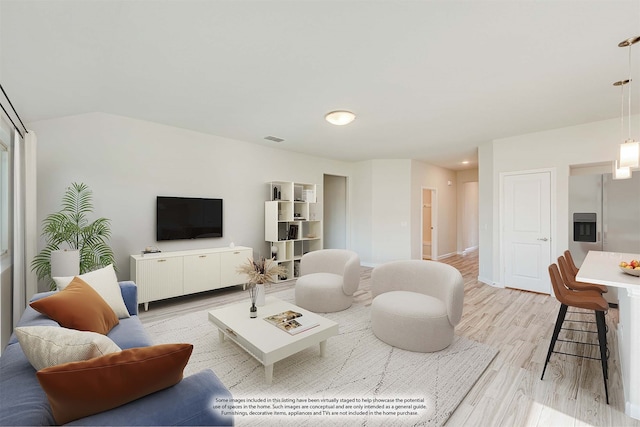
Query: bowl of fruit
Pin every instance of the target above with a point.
(632, 267)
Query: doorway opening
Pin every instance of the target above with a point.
(429, 247)
(334, 212)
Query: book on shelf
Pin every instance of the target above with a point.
(292, 322)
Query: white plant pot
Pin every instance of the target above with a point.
(65, 263)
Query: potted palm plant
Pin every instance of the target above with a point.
(70, 229)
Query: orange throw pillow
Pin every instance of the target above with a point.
(79, 389)
(78, 307)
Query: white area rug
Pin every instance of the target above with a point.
(425, 388)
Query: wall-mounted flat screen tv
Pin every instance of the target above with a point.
(188, 218)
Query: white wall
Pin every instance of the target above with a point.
(386, 205)
(468, 235)
(558, 149)
(486, 216)
(361, 211)
(391, 214)
(128, 162)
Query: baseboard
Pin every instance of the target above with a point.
(489, 282)
(450, 254)
(471, 249)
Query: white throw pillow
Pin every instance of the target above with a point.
(105, 283)
(47, 346)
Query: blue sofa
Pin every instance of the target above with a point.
(190, 402)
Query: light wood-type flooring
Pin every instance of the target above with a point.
(519, 324)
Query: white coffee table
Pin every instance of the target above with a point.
(264, 341)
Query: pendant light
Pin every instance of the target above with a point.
(630, 149)
(621, 172)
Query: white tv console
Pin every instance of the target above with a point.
(171, 274)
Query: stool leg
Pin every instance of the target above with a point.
(602, 339)
(561, 314)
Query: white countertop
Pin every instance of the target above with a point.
(602, 268)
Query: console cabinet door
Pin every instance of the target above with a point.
(159, 278)
(229, 262)
(201, 272)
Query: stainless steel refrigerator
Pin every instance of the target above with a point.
(604, 215)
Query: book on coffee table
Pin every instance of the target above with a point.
(292, 322)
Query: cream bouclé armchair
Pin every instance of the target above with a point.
(416, 304)
(328, 279)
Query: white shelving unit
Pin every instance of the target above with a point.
(291, 223)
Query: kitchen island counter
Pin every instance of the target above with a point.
(603, 268)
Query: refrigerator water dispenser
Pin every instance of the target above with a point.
(584, 227)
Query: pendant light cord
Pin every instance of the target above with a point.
(622, 111)
(629, 124)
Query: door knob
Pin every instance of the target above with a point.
(544, 239)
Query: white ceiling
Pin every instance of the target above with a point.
(428, 80)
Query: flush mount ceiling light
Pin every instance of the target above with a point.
(340, 117)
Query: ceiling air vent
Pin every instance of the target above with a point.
(273, 138)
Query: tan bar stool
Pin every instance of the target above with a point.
(570, 262)
(569, 278)
(589, 300)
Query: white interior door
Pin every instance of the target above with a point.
(527, 231)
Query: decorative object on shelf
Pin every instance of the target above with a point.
(151, 250)
(277, 195)
(71, 227)
(293, 231)
(274, 252)
(260, 273)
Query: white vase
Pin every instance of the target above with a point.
(260, 294)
